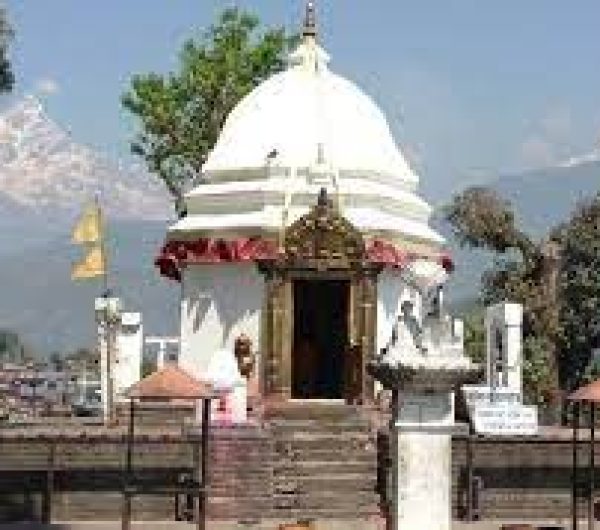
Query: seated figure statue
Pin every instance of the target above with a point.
(406, 339)
(409, 322)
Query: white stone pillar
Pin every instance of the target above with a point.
(162, 354)
(128, 354)
(421, 463)
(503, 324)
(104, 371)
(108, 318)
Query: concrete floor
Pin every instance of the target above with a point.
(266, 525)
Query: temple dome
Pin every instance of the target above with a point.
(299, 131)
(308, 114)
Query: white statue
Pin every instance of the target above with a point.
(224, 374)
(406, 337)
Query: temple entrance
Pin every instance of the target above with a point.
(320, 338)
(320, 311)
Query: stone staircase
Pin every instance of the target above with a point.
(241, 473)
(303, 461)
(325, 464)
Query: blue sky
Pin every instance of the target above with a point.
(471, 88)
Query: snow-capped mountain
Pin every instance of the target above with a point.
(42, 168)
(592, 156)
(45, 179)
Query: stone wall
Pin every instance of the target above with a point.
(86, 475)
(521, 478)
(258, 473)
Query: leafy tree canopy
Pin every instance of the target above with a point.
(557, 280)
(11, 347)
(579, 282)
(481, 219)
(525, 271)
(6, 75)
(181, 114)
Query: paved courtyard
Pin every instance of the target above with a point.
(332, 525)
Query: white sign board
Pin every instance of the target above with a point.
(505, 419)
(476, 395)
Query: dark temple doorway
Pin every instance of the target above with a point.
(320, 338)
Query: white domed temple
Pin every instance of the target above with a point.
(306, 237)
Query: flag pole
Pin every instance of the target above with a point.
(109, 329)
(103, 248)
(89, 232)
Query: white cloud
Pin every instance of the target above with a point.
(550, 140)
(537, 152)
(47, 86)
(557, 123)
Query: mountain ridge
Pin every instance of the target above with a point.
(39, 300)
(41, 167)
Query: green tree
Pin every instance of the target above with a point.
(6, 75)
(181, 114)
(56, 361)
(13, 348)
(475, 345)
(148, 367)
(525, 271)
(579, 283)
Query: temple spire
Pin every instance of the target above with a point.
(310, 21)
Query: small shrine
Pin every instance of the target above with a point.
(300, 238)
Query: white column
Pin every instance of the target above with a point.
(108, 318)
(102, 346)
(162, 354)
(421, 468)
(504, 368)
(128, 354)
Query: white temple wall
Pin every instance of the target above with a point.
(392, 291)
(219, 303)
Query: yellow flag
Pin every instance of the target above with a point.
(89, 227)
(91, 266)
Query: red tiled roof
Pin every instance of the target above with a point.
(589, 392)
(170, 383)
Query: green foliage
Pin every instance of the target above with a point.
(481, 219)
(56, 361)
(148, 367)
(84, 356)
(181, 114)
(523, 272)
(475, 346)
(7, 79)
(557, 280)
(11, 347)
(537, 376)
(579, 284)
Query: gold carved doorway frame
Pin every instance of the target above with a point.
(321, 245)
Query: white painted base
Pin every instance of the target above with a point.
(421, 482)
(232, 407)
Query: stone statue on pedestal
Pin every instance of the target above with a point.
(406, 335)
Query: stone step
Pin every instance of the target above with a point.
(311, 409)
(324, 481)
(312, 467)
(320, 505)
(342, 449)
(319, 425)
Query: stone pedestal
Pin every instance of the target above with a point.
(504, 367)
(423, 374)
(422, 479)
(421, 460)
